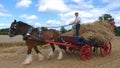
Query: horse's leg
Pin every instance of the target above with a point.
(29, 56)
(95, 50)
(60, 56)
(62, 47)
(40, 56)
(51, 53)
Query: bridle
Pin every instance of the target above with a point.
(13, 26)
(13, 29)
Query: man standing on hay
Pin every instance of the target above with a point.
(76, 22)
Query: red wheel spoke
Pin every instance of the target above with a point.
(105, 49)
(86, 53)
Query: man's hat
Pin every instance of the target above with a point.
(76, 13)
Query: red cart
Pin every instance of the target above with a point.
(74, 43)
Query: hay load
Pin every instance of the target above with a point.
(99, 31)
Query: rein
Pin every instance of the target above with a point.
(28, 34)
(58, 26)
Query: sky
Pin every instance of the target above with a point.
(54, 13)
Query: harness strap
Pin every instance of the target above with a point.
(40, 31)
(28, 33)
(58, 26)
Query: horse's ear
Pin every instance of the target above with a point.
(14, 20)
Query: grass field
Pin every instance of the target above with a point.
(7, 39)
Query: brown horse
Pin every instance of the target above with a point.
(33, 38)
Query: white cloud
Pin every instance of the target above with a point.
(37, 25)
(83, 1)
(116, 16)
(117, 21)
(85, 16)
(24, 4)
(87, 11)
(77, 1)
(29, 17)
(111, 7)
(5, 14)
(52, 6)
(1, 6)
(4, 26)
(81, 4)
(111, 4)
(110, 1)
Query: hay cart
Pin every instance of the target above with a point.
(84, 47)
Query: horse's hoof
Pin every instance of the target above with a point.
(59, 58)
(26, 63)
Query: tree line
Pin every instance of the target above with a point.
(62, 30)
(104, 17)
(4, 31)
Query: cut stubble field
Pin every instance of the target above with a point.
(13, 53)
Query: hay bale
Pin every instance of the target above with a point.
(99, 30)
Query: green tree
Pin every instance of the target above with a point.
(117, 31)
(109, 18)
(63, 30)
(106, 17)
(4, 31)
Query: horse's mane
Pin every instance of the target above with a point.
(23, 24)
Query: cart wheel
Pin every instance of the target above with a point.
(106, 49)
(86, 52)
(70, 50)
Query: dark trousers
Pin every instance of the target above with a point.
(77, 29)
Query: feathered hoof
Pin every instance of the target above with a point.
(59, 59)
(26, 62)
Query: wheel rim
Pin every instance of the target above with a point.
(106, 49)
(86, 53)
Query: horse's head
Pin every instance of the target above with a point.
(13, 30)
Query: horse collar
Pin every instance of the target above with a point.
(28, 33)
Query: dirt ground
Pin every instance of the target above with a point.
(13, 56)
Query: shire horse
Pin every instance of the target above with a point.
(32, 38)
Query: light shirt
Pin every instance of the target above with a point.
(77, 20)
